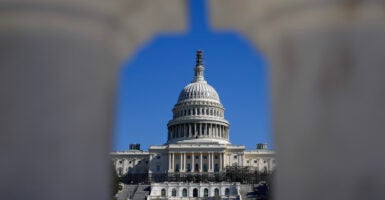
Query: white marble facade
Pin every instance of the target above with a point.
(178, 190)
(198, 138)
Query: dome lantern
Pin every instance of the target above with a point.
(199, 68)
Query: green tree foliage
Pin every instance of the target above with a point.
(115, 187)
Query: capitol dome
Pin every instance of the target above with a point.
(198, 90)
(198, 115)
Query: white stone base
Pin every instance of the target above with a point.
(168, 187)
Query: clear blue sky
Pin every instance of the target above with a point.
(150, 82)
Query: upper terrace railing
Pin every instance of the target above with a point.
(231, 174)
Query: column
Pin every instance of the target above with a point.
(201, 159)
(199, 132)
(220, 162)
(223, 160)
(209, 131)
(189, 130)
(212, 161)
(209, 163)
(179, 130)
(192, 162)
(184, 162)
(180, 162)
(185, 130)
(204, 129)
(216, 130)
(173, 162)
(169, 162)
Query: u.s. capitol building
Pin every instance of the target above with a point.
(198, 152)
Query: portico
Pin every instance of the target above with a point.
(196, 161)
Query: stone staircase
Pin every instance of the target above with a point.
(247, 192)
(127, 192)
(142, 192)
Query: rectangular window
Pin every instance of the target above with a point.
(204, 167)
(216, 167)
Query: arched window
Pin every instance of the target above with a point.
(173, 193)
(216, 192)
(163, 192)
(227, 192)
(184, 192)
(195, 192)
(205, 192)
